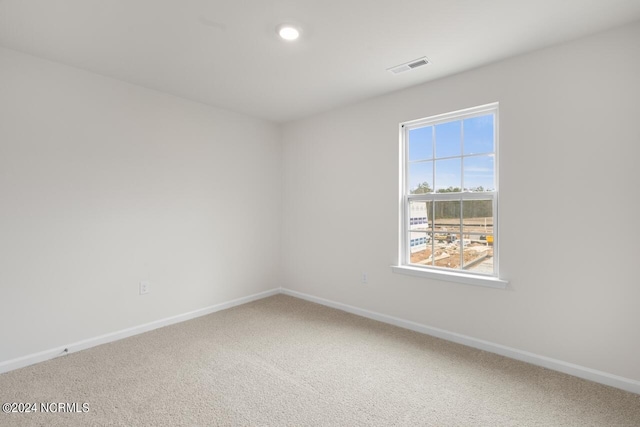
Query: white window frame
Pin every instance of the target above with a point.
(403, 266)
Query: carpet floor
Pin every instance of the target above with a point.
(282, 361)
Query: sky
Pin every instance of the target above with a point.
(442, 149)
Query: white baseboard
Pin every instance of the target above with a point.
(42, 356)
(525, 356)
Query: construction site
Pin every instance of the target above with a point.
(446, 244)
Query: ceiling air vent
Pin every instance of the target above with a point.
(409, 65)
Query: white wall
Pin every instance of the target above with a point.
(570, 239)
(104, 184)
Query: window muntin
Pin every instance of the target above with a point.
(450, 192)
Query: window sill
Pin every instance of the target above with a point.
(450, 276)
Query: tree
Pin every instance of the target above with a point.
(422, 188)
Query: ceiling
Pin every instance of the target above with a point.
(226, 53)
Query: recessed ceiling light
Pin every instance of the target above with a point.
(288, 32)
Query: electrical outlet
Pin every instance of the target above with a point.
(145, 287)
(364, 278)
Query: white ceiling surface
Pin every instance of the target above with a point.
(226, 53)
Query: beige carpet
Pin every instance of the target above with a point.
(282, 361)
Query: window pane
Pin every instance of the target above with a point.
(478, 135)
(478, 253)
(448, 139)
(479, 173)
(448, 175)
(477, 237)
(446, 248)
(446, 215)
(419, 215)
(420, 247)
(420, 177)
(478, 216)
(446, 234)
(421, 143)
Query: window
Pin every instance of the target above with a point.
(448, 221)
